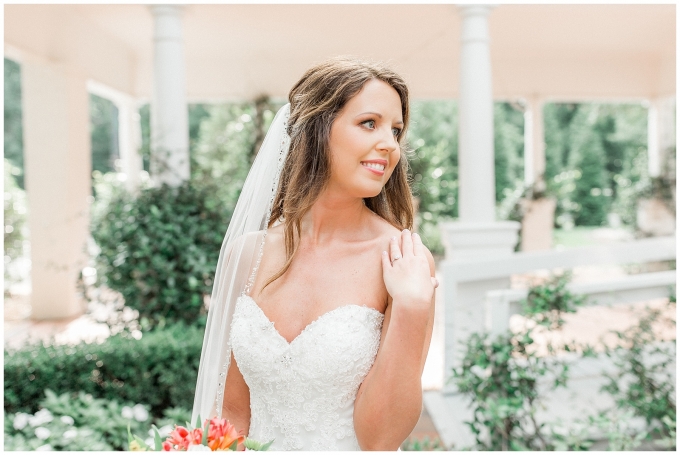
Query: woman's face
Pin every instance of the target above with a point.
(363, 140)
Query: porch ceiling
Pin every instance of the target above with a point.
(241, 51)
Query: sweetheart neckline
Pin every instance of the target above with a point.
(308, 326)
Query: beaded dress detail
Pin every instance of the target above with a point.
(302, 393)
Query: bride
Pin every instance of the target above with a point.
(323, 303)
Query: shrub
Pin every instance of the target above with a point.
(160, 249)
(15, 228)
(55, 435)
(547, 303)
(160, 370)
(501, 375)
(422, 445)
(78, 421)
(644, 380)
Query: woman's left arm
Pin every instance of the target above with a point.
(389, 401)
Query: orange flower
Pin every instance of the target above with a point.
(222, 434)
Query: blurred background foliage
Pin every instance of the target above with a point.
(433, 134)
(14, 141)
(596, 166)
(104, 134)
(595, 153)
(159, 249)
(16, 229)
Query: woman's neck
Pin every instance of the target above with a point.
(333, 216)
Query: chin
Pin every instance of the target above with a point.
(371, 193)
(366, 189)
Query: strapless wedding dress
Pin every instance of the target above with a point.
(302, 393)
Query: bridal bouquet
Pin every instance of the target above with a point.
(216, 434)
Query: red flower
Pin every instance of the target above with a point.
(221, 436)
(180, 437)
(195, 436)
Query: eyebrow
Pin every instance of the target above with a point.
(377, 115)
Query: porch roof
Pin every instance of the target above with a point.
(241, 51)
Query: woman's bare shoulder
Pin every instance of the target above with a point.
(276, 230)
(385, 229)
(248, 241)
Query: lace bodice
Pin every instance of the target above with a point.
(302, 393)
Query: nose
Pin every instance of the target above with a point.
(388, 142)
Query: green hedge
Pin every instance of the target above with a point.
(160, 370)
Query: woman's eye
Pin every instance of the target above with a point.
(369, 123)
(396, 131)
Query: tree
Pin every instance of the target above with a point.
(433, 134)
(621, 135)
(508, 147)
(224, 147)
(104, 134)
(587, 156)
(557, 119)
(14, 144)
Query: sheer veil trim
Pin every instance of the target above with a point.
(238, 263)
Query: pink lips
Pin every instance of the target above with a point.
(375, 171)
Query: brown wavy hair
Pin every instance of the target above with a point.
(315, 102)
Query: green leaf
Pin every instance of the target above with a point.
(251, 444)
(141, 443)
(234, 445)
(157, 439)
(206, 430)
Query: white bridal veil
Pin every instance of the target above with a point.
(238, 263)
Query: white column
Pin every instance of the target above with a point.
(653, 152)
(169, 117)
(534, 142)
(660, 133)
(58, 164)
(475, 117)
(538, 219)
(528, 145)
(476, 234)
(130, 141)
